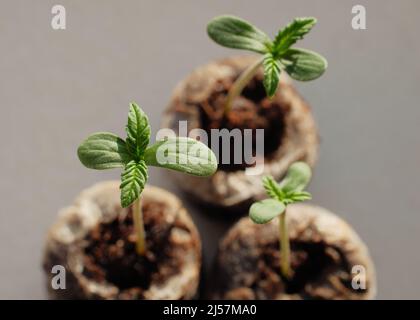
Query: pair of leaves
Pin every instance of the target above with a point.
(300, 64)
(289, 190)
(106, 151)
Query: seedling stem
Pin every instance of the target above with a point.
(241, 83)
(139, 227)
(284, 246)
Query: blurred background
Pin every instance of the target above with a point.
(57, 86)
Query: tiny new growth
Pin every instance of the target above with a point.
(288, 191)
(277, 54)
(105, 150)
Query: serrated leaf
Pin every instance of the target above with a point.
(133, 180)
(304, 65)
(266, 210)
(103, 150)
(182, 154)
(293, 32)
(299, 196)
(271, 74)
(272, 188)
(138, 131)
(297, 178)
(233, 32)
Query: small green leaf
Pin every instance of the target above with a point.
(304, 65)
(292, 33)
(271, 74)
(233, 32)
(299, 196)
(290, 189)
(265, 210)
(103, 150)
(182, 154)
(272, 188)
(133, 180)
(138, 131)
(297, 178)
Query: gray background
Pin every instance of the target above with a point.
(56, 87)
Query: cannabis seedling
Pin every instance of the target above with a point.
(105, 150)
(300, 64)
(288, 191)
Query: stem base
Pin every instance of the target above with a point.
(284, 246)
(139, 227)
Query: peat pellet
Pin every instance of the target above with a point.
(94, 240)
(328, 260)
(290, 133)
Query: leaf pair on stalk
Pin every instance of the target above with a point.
(278, 54)
(105, 150)
(288, 191)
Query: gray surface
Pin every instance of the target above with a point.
(58, 86)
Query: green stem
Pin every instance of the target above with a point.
(139, 227)
(240, 83)
(284, 246)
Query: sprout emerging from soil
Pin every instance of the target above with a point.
(288, 191)
(277, 55)
(105, 150)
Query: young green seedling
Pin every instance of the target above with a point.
(300, 64)
(289, 190)
(105, 150)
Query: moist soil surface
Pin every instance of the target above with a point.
(310, 263)
(252, 110)
(111, 256)
(313, 264)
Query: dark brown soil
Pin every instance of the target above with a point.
(311, 264)
(323, 251)
(110, 255)
(252, 110)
